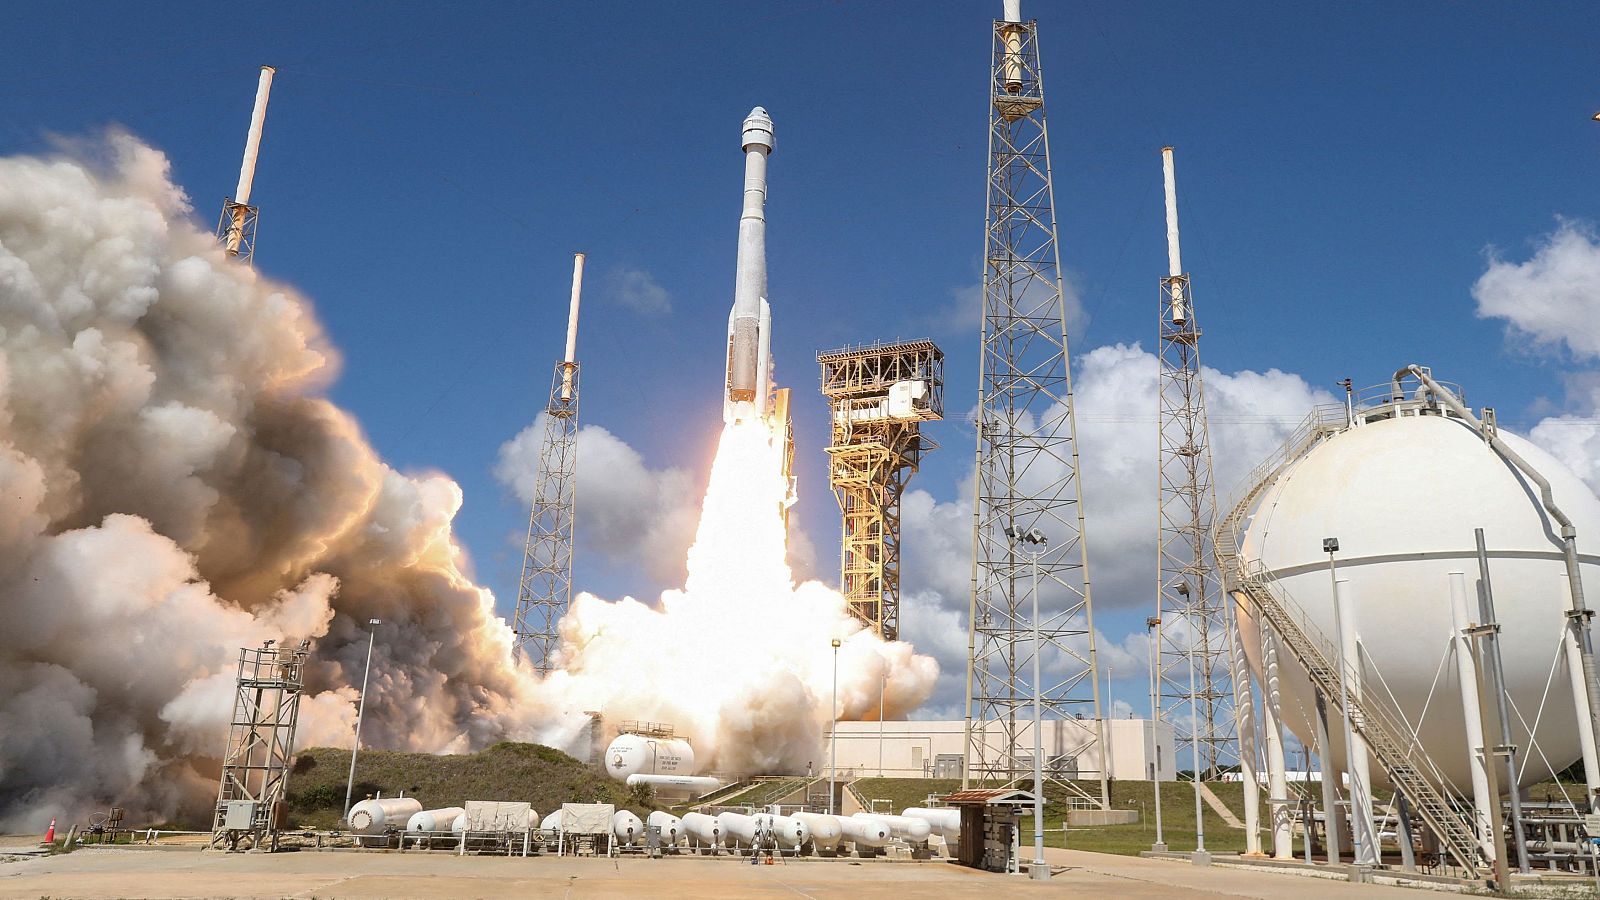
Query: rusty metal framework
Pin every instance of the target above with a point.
(236, 229)
(255, 766)
(879, 396)
(545, 589)
(1027, 464)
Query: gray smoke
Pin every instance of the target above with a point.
(174, 486)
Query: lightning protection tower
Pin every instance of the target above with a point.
(878, 396)
(255, 766)
(1027, 474)
(545, 589)
(1192, 636)
(237, 227)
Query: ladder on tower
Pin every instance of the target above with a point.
(1392, 742)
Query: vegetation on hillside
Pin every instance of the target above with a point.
(543, 776)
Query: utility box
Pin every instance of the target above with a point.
(587, 818)
(989, 826)
(240, 815)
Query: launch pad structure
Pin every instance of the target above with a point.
(544, 589)
(879, 396)
(255, 766)
(1041, 665)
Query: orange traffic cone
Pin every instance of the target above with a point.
(50, 835)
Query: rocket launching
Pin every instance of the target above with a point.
(749, 374)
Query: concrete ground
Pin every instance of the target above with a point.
(185, 872)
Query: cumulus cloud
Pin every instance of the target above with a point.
(637, 290)
(963, 311)
(1551, 297)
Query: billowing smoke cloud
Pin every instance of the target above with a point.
(174, 487)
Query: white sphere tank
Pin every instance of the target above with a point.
(1403, 495)
(636, 754)
(435, 819)
(374, 816)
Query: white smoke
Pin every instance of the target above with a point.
(172, 488)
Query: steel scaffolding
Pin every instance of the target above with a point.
(1192, 638)
(879, 396)
(255, 766)
(237, 229)
(545, 588)
(1027, 462)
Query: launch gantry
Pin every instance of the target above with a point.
(255, 765)
(545, 589)
(1027, 480)
(879, 396)
(237, 227)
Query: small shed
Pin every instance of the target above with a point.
(989, 827)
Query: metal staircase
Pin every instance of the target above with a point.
(1392, 742)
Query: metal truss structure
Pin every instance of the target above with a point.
(879, 396)
(545, 588)
(1028, 470)
(237, 229)
(255, 766)
(1195, 685)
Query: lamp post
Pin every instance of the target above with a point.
(1364, 850)
(1038, 871)
(361, 708)
(1200, 854)
(833, 734)
(1153, 627)
(883, 683)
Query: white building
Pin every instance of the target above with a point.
(934, 749)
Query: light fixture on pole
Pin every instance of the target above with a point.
(833, 734)
(361, 708)
(1153, 628)
(1200, 854)
(1038, 543)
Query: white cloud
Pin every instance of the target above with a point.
(638, 290)
(964, 311)
(1552, 297)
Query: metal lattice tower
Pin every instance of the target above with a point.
(1195, 684)
(545, 589)
(879, 396)
(1027, 472)
(237, 227)
(255, 766)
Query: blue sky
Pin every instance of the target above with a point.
(428, 170)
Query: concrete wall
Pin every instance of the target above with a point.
(926, 749)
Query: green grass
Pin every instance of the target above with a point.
(540, 775)
(1177, 813)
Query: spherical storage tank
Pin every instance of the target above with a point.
(637, 754)
(1402, 494)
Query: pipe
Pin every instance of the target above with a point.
(1497, 674)
(1330, 791)
(1482, 801)
(1356, 762)
(252, 141)
(1277, 767)
(1586, 741)
(1580, 614)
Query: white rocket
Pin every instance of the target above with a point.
(749, 373)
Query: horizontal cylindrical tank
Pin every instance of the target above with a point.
(377, 815)
(904, 827)
(703, 828)
(789, 831)
(863, 832)
(637, 754)
(946, 822)
(676, 785)
(627, 828)
(825, 830)
(1402, 496)
(551, 822)
(671, 826)
(443, 819)
(737, 828)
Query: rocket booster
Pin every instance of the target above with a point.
(749, 370)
